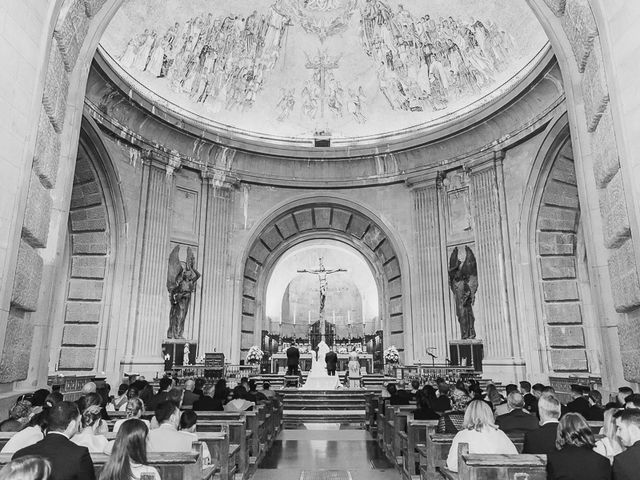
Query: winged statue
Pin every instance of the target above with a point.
(181, 283)
(463, 282)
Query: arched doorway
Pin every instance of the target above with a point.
(325, 219)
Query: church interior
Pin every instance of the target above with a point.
(432, 190)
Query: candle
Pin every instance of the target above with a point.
(349, 317)
(309, 317)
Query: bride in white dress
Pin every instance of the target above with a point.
(318, 378)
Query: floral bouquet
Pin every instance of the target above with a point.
(200, 359)
(391, 355)
(254, 355)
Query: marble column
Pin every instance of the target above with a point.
(215, 314)
(492, 305)
(152, 313)
(429, 329)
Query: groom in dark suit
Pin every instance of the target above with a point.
(293, 359)
(543, 440)
(331, 359)
(68, 460)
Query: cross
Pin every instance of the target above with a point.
(322, 63)
(322, 273)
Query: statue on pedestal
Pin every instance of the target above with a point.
(463, 282)
(181, 283)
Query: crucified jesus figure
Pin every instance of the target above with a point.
(322, 273)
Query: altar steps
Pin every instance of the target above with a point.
(327, 406)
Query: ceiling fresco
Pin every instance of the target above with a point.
(303, 68)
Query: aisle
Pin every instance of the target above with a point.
(325, 454)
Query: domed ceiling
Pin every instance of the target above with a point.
(349, 69)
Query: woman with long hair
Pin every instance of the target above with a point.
(90, 435)
(481, 433)
(575, 458)
(609, 445)
(27, 468)
(128, 460)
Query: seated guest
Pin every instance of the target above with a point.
(609, 445)
(424, 401)
(482, 435)
(167, 438)
(493, 396)
(596, 411)
(396, 396)
(88, 435)
(38, 397)
(68, 460)
(626, 465)
(537, 390)
(452, 422)
(530, 400)
(166, 385)
(120, 399)
(239, 403)
(253, 395)
(27, 468)
(543, 439)
(415, 386)
(209, 403)
(128, 458)
(619, 402)
(632, 401)
(19, 415)
(266, 390)
(145, 390)
(93, 399)
(575, 458)
(198, 389)
(189, 396)
(188, 424)
(504, 407)
(443, 402)
(89, 387)
(517, 420)
(134, 409)
(579, 403)
(34, 431)
(132, 392)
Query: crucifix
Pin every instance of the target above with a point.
(322, 273)
(321, 65)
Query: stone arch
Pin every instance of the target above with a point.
(331, 219)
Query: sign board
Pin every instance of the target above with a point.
(214, 361)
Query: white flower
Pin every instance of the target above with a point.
(254, 355)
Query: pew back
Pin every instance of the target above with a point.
(500, 467)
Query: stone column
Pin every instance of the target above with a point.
(152, 316)
(492, 308)
(430, 328)
(215, 313)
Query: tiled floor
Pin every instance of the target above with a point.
(327, 449)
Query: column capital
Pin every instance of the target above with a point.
(431, 179)
(486, 161)
(172, 165)
(219, 179)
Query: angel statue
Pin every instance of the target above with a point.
(463, 282)
(181, 283)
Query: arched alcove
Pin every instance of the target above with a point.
(331, 219)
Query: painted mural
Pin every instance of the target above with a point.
(345, 68)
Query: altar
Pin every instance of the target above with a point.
(279, 361)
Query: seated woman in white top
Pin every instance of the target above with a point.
(89, 436)
(609, 446)
(134, 409)
(482, 435)
(129, 455)
(239, 403)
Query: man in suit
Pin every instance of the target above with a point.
(166, 384)
(207, 403)
(503, 408)
(331, 359)
(626, 465)
(530, 401)
(189, 396)
(543, 439)
(579, 404)
(293, 359)
(167, 438)
(517, 420)
(68, 460)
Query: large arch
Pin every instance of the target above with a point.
(326, 218)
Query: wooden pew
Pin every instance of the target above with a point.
(415, 438)
(433, 456)
(498, 467)
(399, 418)
(170, 465)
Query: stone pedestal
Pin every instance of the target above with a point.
(175, 350)
(467, 353)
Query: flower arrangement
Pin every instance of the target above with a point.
(391, 355)
(254, 355)
(342, 350)
(200, 359)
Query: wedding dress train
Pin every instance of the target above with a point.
(318, 378)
